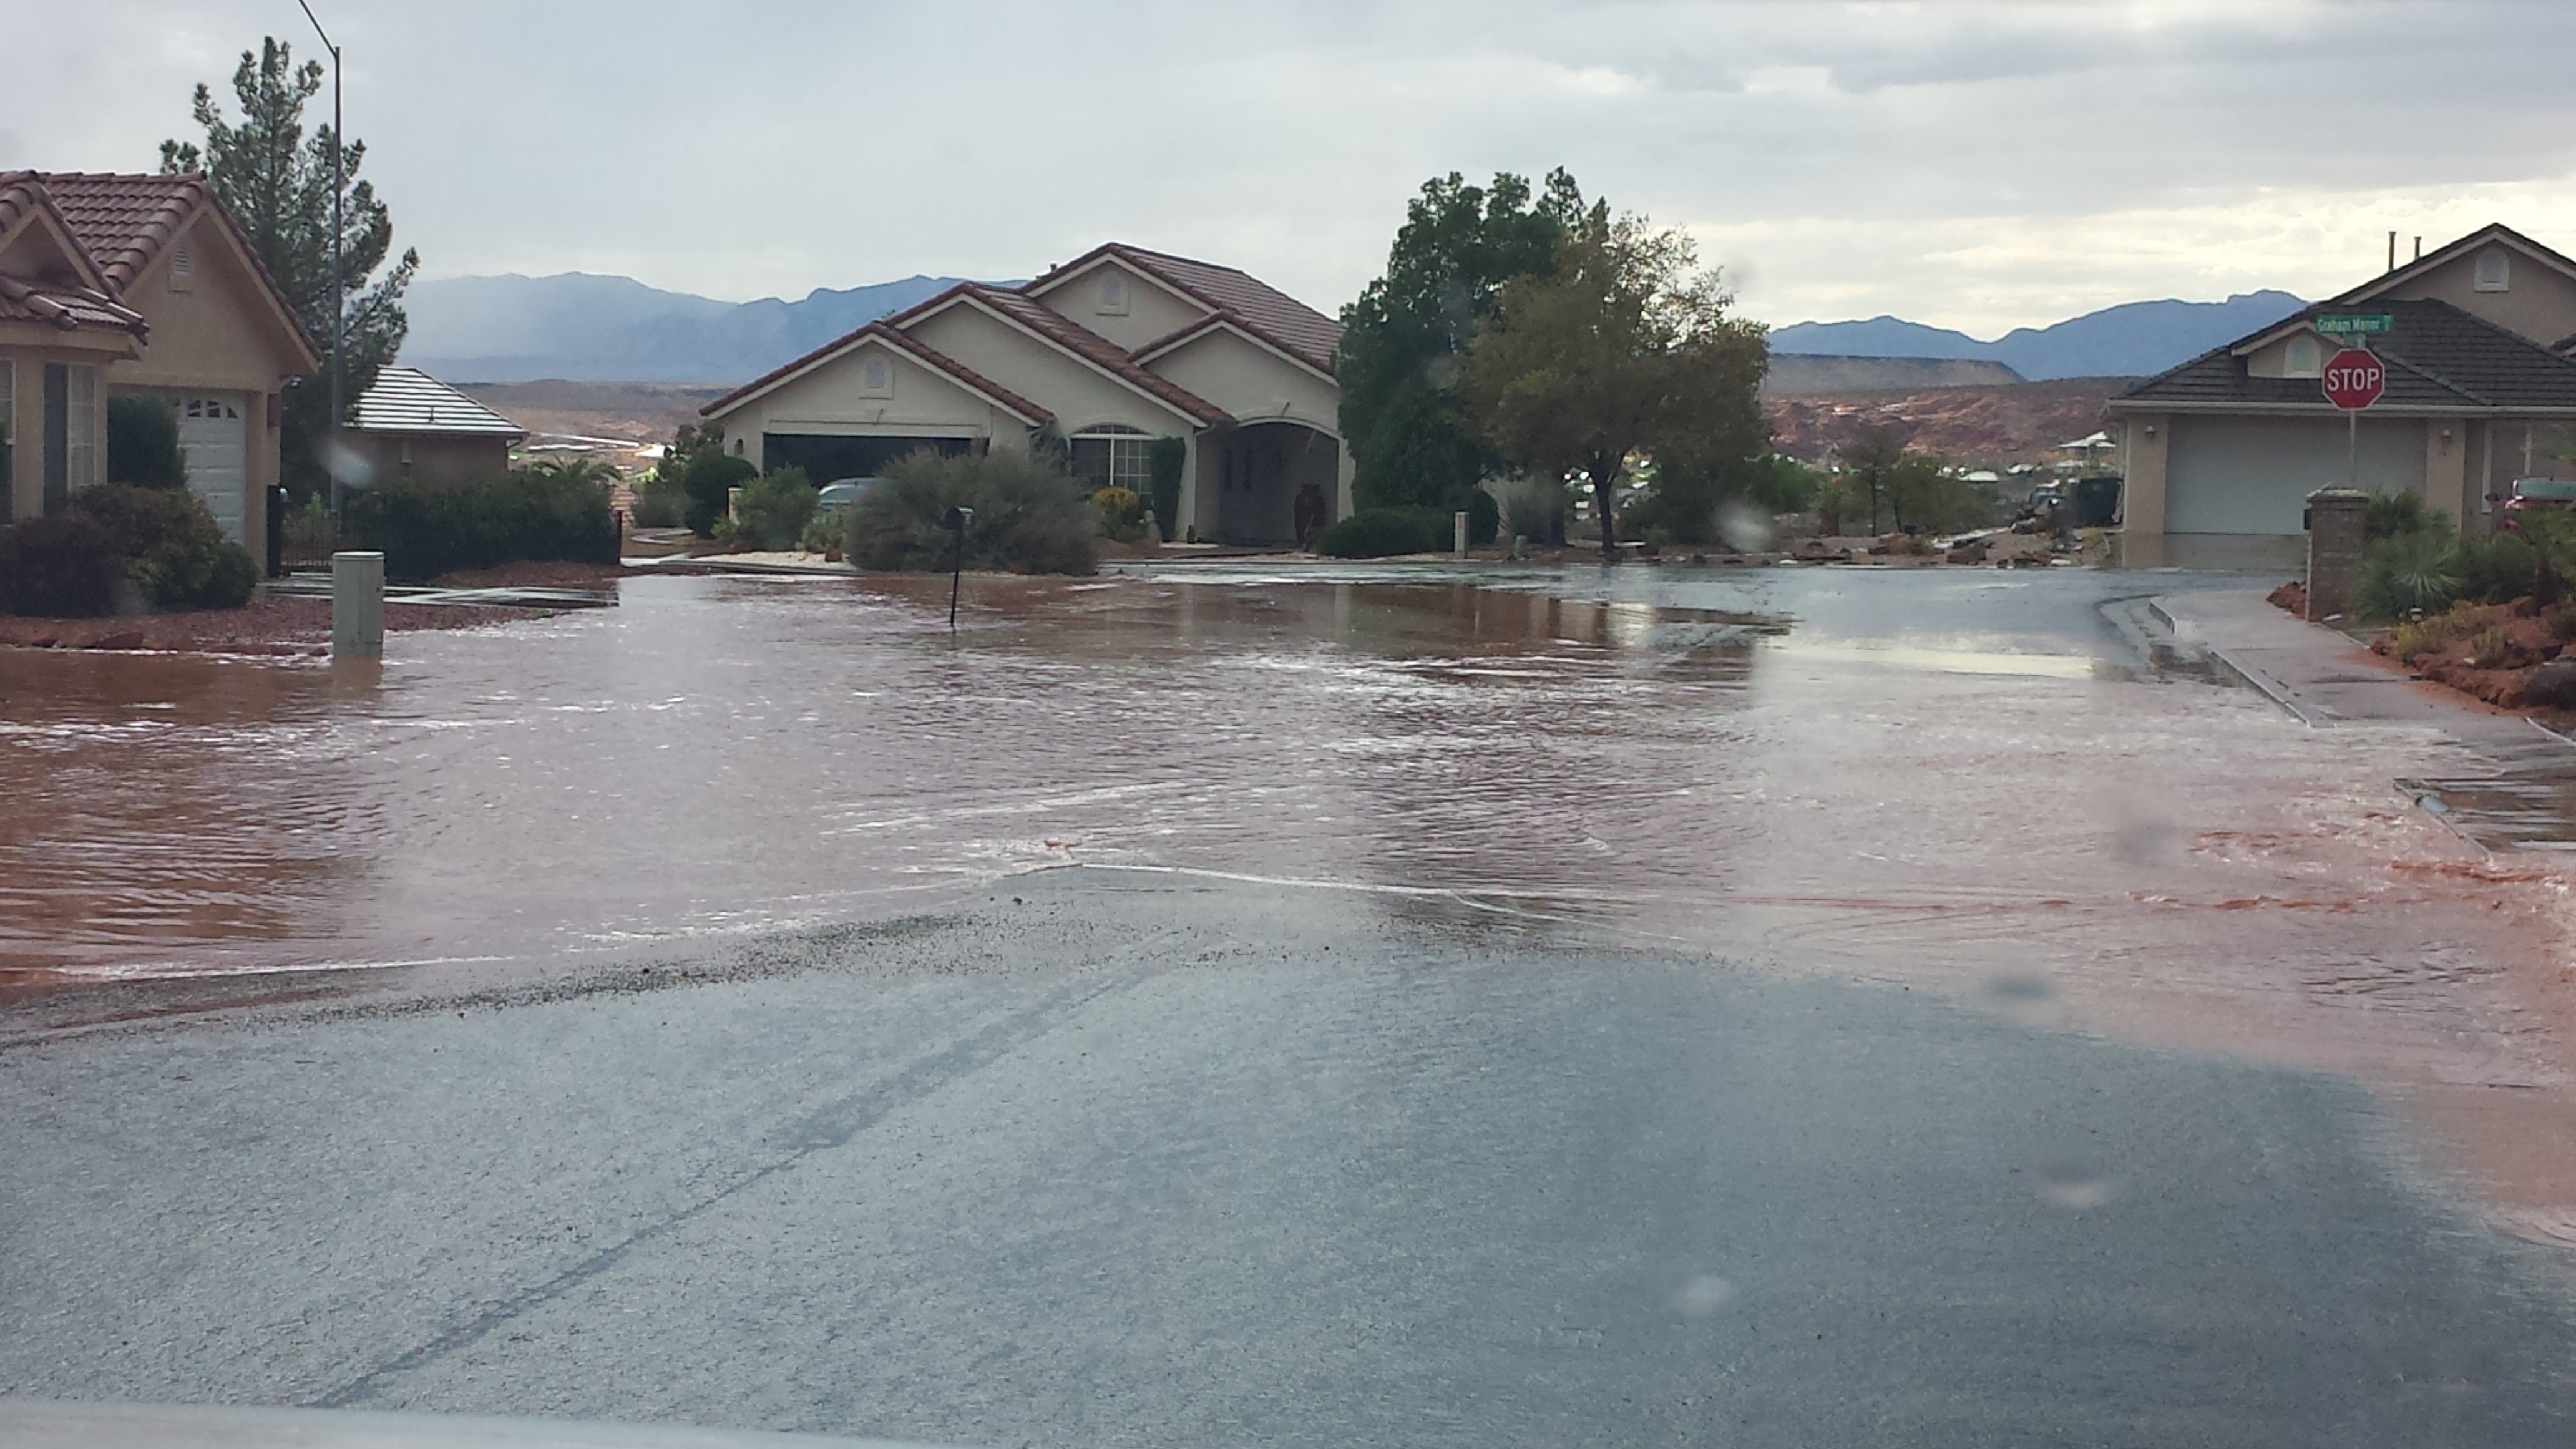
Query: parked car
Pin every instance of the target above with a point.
(2537, 493)
(839, 494)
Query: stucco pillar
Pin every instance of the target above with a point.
(2148, 438)
(2334, 550)
(1183, 528)
(1345, 502)
(2446, 471)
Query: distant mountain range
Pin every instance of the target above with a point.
(587, 328)
(2135, 339)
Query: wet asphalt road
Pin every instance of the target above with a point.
(1155, 1159)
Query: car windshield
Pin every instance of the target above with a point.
(1298, 726)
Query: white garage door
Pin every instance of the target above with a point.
(216, 439)
(2254, 475)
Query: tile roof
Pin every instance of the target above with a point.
(125, 220)
(65, 303)
(1047, 322)
(920, 352)
(408, 400)
(1252, 304)
(2439, 358)
(2448, 252)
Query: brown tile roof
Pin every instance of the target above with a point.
(65, 303)
(1038, 317)
(126, 218)
(920, 352)
(1250, 303)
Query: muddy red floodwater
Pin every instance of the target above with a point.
(1960, 778)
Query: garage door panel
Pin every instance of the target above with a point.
(2254, 475)
(214, 433)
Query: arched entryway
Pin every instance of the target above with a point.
(1275, 481)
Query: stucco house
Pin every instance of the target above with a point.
(1109, 351)
(2222, 451)
(412, 428)
(117, 285)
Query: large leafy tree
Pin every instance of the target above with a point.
(1402, 339)
(276, 182)
(1625, 348)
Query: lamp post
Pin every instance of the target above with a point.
(339, 230)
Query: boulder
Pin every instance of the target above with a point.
(2552, 685)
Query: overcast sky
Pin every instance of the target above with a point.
(1977, 164)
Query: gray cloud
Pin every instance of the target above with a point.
(1973, 163)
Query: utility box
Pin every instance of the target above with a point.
(2097, 501)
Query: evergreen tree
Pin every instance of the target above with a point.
(276, 182)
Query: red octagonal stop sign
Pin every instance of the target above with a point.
(2354, 379)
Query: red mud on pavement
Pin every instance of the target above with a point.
(2033, 832)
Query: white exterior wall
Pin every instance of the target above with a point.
(1252, 383)
(2252, 475)
(1153, 311)
(1080, 397)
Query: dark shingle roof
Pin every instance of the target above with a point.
(2438, 357)
(408, 400)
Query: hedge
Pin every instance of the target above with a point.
(424, 531)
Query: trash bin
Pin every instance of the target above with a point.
(2097, 502)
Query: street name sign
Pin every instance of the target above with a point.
(2354, 379)
(2354, 324)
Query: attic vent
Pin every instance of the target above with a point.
(1113, 295)
(183, 263)
(876, 377)
(2304, 357)
(2495, 271)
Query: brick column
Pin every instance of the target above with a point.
(2334, 551)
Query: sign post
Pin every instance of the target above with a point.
(2353, 380)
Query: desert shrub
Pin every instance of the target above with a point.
(1381, 532)
(2489, 648)
(1030, 516)
(775, 509)
(143, 443)
(1164, 459)
(1122, 513)
(2391, 514)
(660, 505)
(1531, 507)
(2407, 573)
(426, 531)
(706, 482)
(65, 566)
(1484, 518)
(2434, 633)
(2503, 568)
(173, 550)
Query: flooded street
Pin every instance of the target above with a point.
(1284, 974)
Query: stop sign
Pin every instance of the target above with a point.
(2354, 379)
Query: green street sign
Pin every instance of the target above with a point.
(2353, 324)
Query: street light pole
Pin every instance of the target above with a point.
(339, 230)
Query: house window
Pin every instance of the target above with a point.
(2304, 357)
(2495, 271)
(1112, 457)
(876, 377)
(81, 417)
(1113, 295)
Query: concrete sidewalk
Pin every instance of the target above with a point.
(2321, 675)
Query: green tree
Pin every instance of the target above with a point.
(276, 182)
(1626, 347)
(1402, 339)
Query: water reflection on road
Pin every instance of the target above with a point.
(1964, 778)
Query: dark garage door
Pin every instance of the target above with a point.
(826, 458)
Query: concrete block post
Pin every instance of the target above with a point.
(2334, 551)
(357, 606)
(1458, 533)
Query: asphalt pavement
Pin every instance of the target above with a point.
(1113, 1157)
